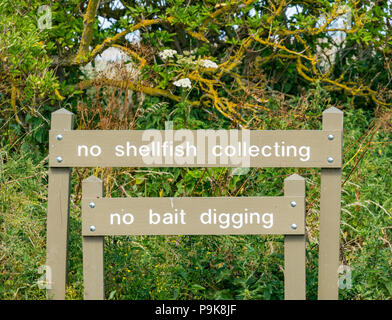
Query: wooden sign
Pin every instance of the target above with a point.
(193, 216)
(195, 148)
(70, 148)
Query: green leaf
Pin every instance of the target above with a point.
(139, 180)
(196, 287)
(111, 295)
(388, 285)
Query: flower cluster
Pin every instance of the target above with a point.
(183, 83)
(208, 64)
(168, 53)
(187, 61)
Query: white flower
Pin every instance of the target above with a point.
(183, 83)
(208, 64)
(168, 53)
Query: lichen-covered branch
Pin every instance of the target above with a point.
(88, 23)
(157, 92)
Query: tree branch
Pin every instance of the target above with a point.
(135, 87)
(88, 21)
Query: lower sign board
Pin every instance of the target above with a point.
(193, 216)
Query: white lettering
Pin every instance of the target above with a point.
(236, 220)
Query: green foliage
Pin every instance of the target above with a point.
(22, 225)
(28, 81)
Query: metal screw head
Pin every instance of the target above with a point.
(91, 205)
(293, 204)
(331, 137)
(294, 226)
(330, 159)
(92, 228)
(59, 159)
(59, 137)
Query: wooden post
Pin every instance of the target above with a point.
(330, 198)
(93, 255)
(57, 218)
(294, 249)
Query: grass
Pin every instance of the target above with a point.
(209, 267)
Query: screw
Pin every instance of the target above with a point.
(330, 159)
(91, 205)
(293, 204)
(59, 159)
(92, 228)
(59, 137)
(331, 137)
(294, 226)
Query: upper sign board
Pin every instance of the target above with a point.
(195, 148)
